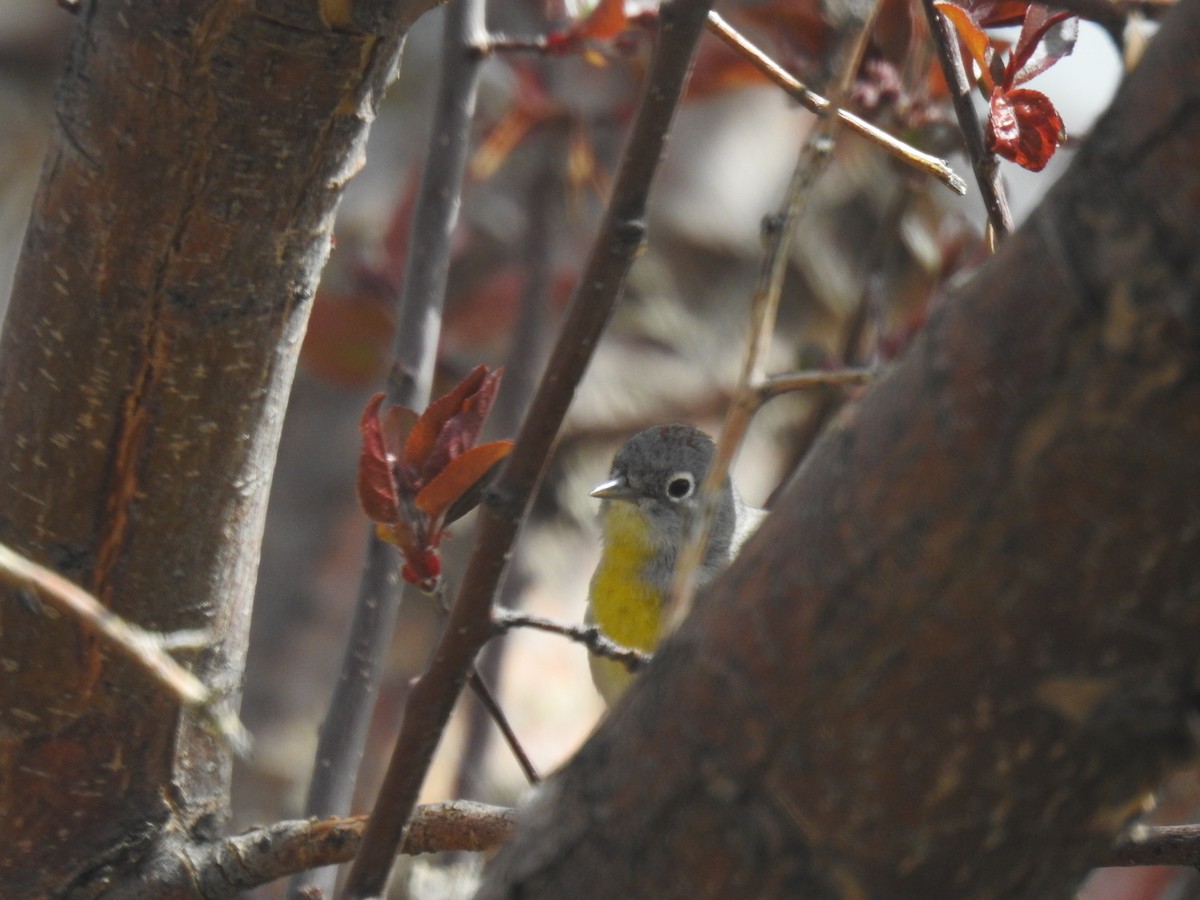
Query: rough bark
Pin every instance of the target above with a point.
(182, 220)
(962, 648)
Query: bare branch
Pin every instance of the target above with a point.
(590, 636)
(815, 103)
(774, 385)
(146, 649)
(987, 168)
(226, 867)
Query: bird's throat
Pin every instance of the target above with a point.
(624, 604)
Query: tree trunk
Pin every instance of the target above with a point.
(183, 218)
(963, 646)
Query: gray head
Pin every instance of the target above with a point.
(660, 470)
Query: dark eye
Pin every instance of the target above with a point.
(680, 486)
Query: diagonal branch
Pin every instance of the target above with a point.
(985, 164)
(146, 649)
(815, 103)
(619, 238)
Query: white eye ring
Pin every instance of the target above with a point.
(680, 486)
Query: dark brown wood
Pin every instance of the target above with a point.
(183, 218)
(962, 648)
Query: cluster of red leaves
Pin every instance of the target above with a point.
(1022, 124)
(418, 473)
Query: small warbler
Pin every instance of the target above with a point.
(646, 510)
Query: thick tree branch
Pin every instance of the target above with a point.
(1157, 845)
(183, 216)
(962, 647)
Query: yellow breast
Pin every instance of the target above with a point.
(621, 602)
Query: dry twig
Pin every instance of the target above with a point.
(228, 866)
(987, 168)
(590, 636)
(815, 103)
(146, 649)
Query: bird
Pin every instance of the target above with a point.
(646, 509)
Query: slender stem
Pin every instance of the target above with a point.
(815, 103)
(590, 636)
(985, 165)
(470, 627)
(488, 699)
(774, 385)
(494, 710)
(146, 649)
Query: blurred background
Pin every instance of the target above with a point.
(877, 248)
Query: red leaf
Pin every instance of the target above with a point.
(1023, 127)
(460, 476)
(973, 36)
(424, 435)
(376, 486)
(461, 430)
(1046, 38)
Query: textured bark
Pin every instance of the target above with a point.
(964, 645)
(183, 218)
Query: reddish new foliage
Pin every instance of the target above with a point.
(1022, 126)
(415, 471)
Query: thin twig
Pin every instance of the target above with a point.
(620, 236)
(985, 165)
(488, 699)
(827, 402)
(777, 233)
(815, 103)
(146, 649)
(774, 385)
(228, 866)
(492, 705)
(590, 636)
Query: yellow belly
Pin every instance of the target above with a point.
(621, 602)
